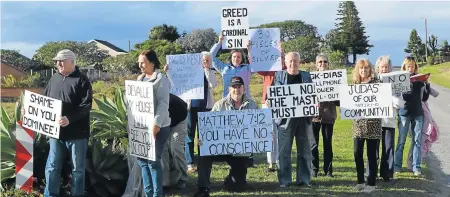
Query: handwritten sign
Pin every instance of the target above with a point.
(296, 100)
(235, 132)
(140, 112)
(265, 55)
(235, 28)
(399, 81)
(364, 101)
(186, 75)
(327, 83)
(42, 114)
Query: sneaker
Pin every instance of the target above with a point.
(330, 175)
(417, 173)
(284, 185)
(301, 184)
(368, 189)
(190, 169)
(202, 192)
(359, 186)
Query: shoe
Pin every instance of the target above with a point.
(330, 175)
(417, 173)
(202, 192)
(301, 184)
(368, 189)
(270, 169)
(359, 186)
(314, 174)
(284, 185)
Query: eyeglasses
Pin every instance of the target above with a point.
(324, 61)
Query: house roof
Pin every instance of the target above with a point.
(17, 60)
(109, 45)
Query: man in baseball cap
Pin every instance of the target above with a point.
(74, 89)
(65, 61)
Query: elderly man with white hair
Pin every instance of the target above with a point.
(288, 128)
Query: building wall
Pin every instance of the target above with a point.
(9, 70)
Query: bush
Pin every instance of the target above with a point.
(29, 81)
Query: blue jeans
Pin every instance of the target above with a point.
(54, 165)
(416, 133)
(152, 172)
(301, 129)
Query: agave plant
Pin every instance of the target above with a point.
(8, 141)
(107, 170)
(110, 119)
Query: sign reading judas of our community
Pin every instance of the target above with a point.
(264, 47)
(42, 114)
(399, 80)
(186, 75)
(362, 101)
(328, 82)
(140, 112)
(235, 28)
(296, 100)
(235, 132)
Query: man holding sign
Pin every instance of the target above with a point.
(74, 90)
(236, 180)
(288, 128)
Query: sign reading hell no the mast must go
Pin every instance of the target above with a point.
(235, 28)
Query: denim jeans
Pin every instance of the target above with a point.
(192, 127)
(77, 148)
(301, 129)
(416, 131)
(152, 172)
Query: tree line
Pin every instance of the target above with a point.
(348, 37)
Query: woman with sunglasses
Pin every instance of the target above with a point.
(325, 121)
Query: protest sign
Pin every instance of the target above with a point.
(42, 114)
(399, 81)
(235, 28)
(327, 83)
(235, 132)
(365, 101)
(140, 112)
(186, 75)
(265, 55)
(296, 100)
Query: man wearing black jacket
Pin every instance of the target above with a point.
(74, 90)
(173, 158)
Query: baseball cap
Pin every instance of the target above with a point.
(236, 81)
(64, 55)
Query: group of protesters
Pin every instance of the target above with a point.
(175, 125)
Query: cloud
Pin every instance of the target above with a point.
(26, 49)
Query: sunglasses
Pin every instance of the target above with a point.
(325, 62)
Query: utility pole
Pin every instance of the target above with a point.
(426, 41)
(129, 46)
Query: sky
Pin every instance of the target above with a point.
(25, 26)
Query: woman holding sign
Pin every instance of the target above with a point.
(365, 130)
(152, 172)
(325, 121)
(384, 65)
(412, 114)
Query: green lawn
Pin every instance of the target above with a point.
(440, 74)
(266, 184)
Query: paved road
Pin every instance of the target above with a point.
(438, 159)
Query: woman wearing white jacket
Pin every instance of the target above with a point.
(384, 65)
